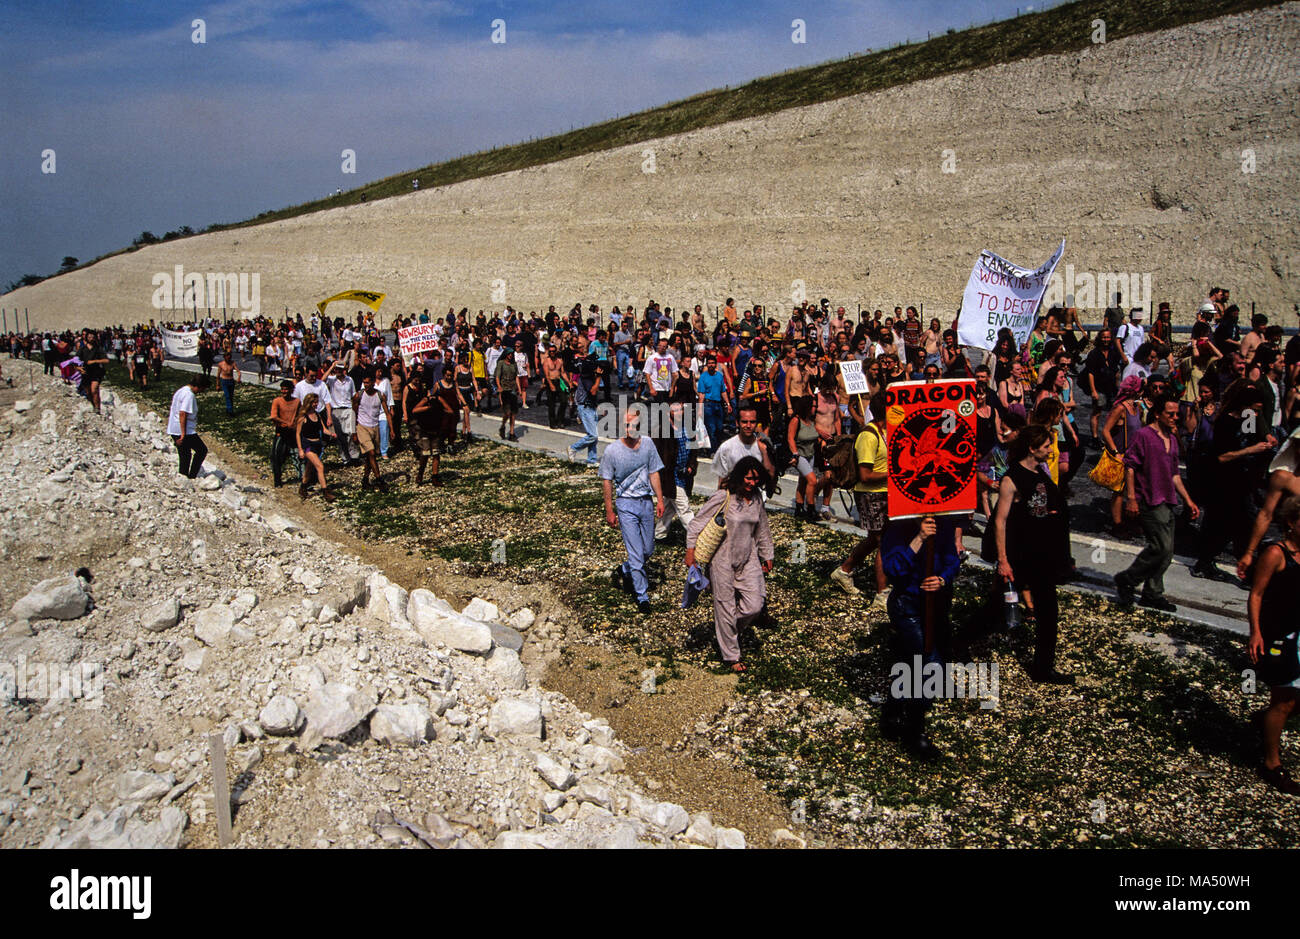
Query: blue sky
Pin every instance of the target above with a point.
(153, 131)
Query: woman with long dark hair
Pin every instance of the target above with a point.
(1033, 541)
(746, 554)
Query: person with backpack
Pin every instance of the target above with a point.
(871, 458)
(803, 440)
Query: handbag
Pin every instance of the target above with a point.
(1109, 471)
(711, 535)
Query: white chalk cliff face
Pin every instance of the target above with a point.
(1172, 154)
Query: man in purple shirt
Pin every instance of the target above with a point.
(1152, 488)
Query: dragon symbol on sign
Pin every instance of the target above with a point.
(928, 465)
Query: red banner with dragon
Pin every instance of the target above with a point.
(930, 436)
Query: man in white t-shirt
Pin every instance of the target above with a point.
(183, 426)
(1131, 334)
(313, 383)
(660, 368)
(744, 443)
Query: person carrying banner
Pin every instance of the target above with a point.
(921, 561)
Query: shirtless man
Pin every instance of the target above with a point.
(553, 375)
(827, 419)
(796, 380)
(228, 374)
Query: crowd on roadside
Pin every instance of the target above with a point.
(1181, 432)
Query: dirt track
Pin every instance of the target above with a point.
(1132, 150)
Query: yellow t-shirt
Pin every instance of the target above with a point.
(476, 364)
(870, 448)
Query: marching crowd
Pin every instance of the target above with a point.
(1181, 431)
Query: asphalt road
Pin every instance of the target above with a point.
(1099, 555)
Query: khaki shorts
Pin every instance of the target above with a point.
(367, 438)
(873, 511)
(428, 446)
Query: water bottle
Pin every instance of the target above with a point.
(1011, 603)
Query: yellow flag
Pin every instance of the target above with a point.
(369, 297)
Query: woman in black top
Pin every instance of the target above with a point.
(1033, 541)
(1274, 596)
(310, 433)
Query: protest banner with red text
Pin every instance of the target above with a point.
(930, 437)
(414, 340)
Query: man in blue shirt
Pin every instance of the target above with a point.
(904, 549)
(630, 469)
(712, 386)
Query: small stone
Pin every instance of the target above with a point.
(335, 708)
(481, 610)
(406, 725)
(556, 774)
(390, 783)
(515, 717)
(161, 616)
(213, 625)
(730, 838)
(505, 667)
(56, 598)
(784, 838)
(281, 717)
(141, 786)
(522, 620)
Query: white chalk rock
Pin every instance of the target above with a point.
(334, 709)
(281, 717)
(505, 667)
(213, 625)
(404, 725)
(514, 717)
(56, 598)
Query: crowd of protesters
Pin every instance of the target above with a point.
(760, 395)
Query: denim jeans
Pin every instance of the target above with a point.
(228, 390)
(587, 415)
(623, 361)
(713, 423)
(636, 522)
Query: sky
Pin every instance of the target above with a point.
(151, 130)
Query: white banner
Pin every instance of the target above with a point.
(412, 340)
(855, 382)
(181, 345)
(1000, 294)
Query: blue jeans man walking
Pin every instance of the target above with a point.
(629, 470)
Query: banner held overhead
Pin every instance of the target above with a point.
(370, 298)
(1001, 294)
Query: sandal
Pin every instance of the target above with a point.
(738, 667)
